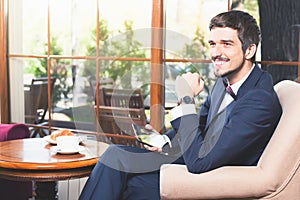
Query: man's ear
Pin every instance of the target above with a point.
(250, 51)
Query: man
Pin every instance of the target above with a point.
(232, 127)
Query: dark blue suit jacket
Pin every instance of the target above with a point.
(237, 135)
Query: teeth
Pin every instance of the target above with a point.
(220, 62)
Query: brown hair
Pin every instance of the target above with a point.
(244, 23)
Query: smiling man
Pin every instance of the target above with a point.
(233, 126)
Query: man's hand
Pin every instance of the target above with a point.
(189, 84)
(149, 127)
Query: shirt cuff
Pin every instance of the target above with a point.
(167, 139)
(183, 109)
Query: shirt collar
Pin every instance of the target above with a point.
(236, 86)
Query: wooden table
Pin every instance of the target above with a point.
(32, 160)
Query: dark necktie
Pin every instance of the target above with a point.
(229, 90)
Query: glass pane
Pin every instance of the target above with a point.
(70, 105)
(28, 26)
(36, 91)
(205, 70)
(72, 23)
(249, 6)
(29, 91)
(125, 28)
(136, 11)
(187, 27)
(252, 8)
(16, 87)
(74, 92)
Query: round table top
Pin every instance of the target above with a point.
(35, 154)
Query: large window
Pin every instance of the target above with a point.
(77, 44)
(74, 45)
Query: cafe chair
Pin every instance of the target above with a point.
(13, 189)
(125, 98)
(104, 82)
(116, 123)
(276, 176)
(36, 103)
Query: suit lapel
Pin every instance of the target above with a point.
(250, 82)
(217, 96)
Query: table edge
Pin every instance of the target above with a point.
(45, 176)
(49, 166)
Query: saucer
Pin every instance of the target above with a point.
(55, 149)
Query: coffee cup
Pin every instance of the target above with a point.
(67, 143)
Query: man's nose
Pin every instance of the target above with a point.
(216, 51)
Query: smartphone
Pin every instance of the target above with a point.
(148, 137)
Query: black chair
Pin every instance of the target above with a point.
(36, 103)
(117, 122)
(125, 98)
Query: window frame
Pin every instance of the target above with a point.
(156, 58)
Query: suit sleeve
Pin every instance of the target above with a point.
(243, 138)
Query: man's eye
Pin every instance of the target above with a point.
(227, 44)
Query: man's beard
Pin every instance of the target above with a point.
(230, 72)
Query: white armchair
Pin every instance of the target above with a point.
(276, 176)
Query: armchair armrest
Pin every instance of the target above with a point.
(222, 183)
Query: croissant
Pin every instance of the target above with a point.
(61, 132)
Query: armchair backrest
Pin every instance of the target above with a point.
(281, 158)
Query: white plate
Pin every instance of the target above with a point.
(55, 149)
(48, 139)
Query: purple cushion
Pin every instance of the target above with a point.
(14, 189)
(13, 131)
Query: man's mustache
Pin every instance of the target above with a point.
(219, 58)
